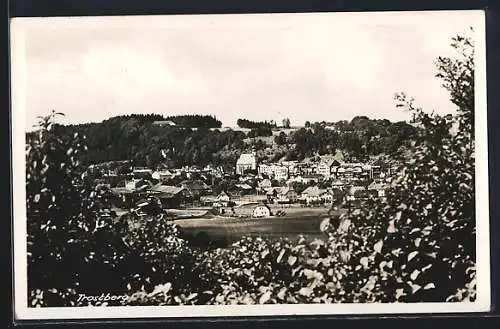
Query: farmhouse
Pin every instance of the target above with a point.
(169, 196)
(287, 195)
(196, 188)
(222, 200)
(312, 194)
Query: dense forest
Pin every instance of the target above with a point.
(133, 137)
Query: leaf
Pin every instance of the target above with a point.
(324, 225)
(417, 242)
(162, 288)
(364, 261)
(414, 275)
(281, 293)
(414, 287)
(396, 252)
(306, 291)
(412, 255)
(425, 268)
(192, 296)
(265, 297)
(429, 286)
(280, 256)
(414, 230)
(391, 228)
(310, 274)
(345, 255)
(292, 260)
(432, 255)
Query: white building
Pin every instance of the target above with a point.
(162, 175)
(261, 211)
(164, 123)
(265, 169)
(325, 166)
(246, 161)
(280, 173)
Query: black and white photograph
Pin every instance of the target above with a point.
(250, 165)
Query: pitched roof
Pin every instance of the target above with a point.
(121, 190)
(313, 191)
(222, 194)
(339, 156)
(166, 189)
(278, 189)
(195, 185)
(265, 182)
(328, 160)
(377, 186)
(246, 158)
(244, 186)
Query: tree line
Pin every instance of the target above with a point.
(132, 137)
(244, 123)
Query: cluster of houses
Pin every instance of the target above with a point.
(321, 181)
(322, 168)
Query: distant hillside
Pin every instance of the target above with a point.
(185, 121)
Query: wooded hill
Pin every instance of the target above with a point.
(134, 137)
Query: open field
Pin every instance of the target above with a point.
(232, 228)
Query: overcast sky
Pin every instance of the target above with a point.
(261, 67)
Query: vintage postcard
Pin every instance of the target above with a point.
(250, 165)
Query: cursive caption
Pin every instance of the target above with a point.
(101, 298)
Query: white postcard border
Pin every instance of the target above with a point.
(23, 312)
